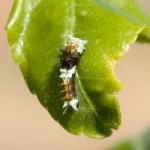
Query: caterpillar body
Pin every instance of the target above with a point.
(69, 60)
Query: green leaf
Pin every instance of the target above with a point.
(36, 31)
(145, 35)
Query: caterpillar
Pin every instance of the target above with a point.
(69, 60)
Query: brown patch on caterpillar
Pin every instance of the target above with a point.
(70, 57)
(69, 87)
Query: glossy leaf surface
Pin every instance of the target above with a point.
(36, 31)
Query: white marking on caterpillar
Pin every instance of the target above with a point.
(65, 74)
(80, 43)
